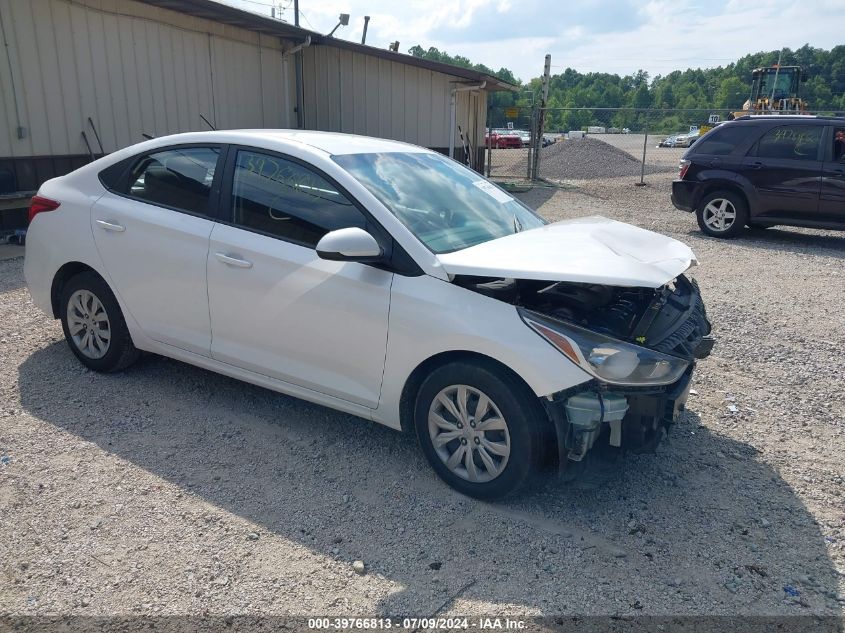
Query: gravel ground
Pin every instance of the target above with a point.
(172, 490)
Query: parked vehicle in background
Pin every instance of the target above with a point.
(380, 279)
(503, 139)
(669, 141)
(761, 171)
(525, 136)
(686, 140)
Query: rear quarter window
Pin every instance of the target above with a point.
(723, 140)
(112, 176)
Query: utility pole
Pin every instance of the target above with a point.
(540, 118)
(296, 12)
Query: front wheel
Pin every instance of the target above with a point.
(480, 428)
(94, 326)
(722, 214)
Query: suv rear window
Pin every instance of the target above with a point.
(723, 140)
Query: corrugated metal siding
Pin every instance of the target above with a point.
(347, 91)
(132, 68)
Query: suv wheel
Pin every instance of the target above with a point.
(722, 214)
(479, 429)
(93, 324)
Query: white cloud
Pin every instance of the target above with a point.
(588, 35)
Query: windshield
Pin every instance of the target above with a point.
(780, 88)
(444, 204)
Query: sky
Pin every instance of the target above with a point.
(614, 36)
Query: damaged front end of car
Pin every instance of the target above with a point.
(640, 346)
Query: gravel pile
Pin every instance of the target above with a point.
(172, 490)
(587, 158)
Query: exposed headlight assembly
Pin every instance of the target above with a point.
(608, 359)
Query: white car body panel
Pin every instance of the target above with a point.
(344, 335)
(54, 236)
(295, 317)
(429, 316)
(156, 265)
(254, 378)
(587, 250)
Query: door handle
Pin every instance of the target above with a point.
(110, 226)
(237, 262)
(757, 165)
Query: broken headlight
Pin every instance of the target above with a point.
(608, 359)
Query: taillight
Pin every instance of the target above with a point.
(40, 204)
(683, 168)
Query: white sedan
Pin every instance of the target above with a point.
(380, 279)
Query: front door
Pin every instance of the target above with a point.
(277, 308)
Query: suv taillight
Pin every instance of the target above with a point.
(683, 167)
(40, 204)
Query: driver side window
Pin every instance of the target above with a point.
(285, 199)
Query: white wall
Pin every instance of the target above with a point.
(132, 68)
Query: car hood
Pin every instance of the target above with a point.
(592, 250)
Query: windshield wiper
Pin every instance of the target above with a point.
(517, 225)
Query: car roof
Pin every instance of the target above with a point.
(333, 143)
(792, 118)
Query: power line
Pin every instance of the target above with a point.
(305, 17)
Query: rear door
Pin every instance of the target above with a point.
(785, 167)
(832, 202)
(151, 230)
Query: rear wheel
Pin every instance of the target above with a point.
(94, 326)
(722, 214)
(480, 429)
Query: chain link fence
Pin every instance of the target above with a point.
(589, 143)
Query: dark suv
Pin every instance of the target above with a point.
(761, 171)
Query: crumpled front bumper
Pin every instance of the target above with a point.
(651, 412)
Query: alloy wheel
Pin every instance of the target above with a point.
(719, 215)
(469, 433)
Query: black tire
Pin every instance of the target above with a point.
(726, 201)
(527, 427)
(120, 353)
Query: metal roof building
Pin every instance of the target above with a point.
(86, 77)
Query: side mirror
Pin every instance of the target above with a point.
(349, 245)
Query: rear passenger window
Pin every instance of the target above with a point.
(178, 178)
(284, 199)
(839, 144)
(794, 142)
(722, 141)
